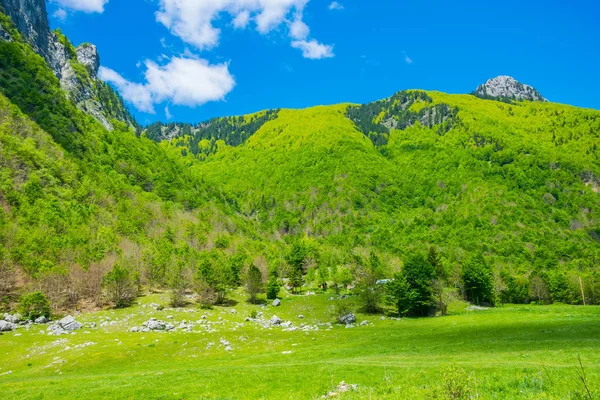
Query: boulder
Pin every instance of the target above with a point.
(275, 320)
(69, 323)
(364, 323)
(6, 326)
(348, 319)
(41, 320)
(276, 303)
(155, 325)
(15, 318)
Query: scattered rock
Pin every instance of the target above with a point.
(41, 320)
(300, 316)
(6, 326)
(275, 320)
(364, 323)
(276, 303)
(476, 308)
(343, 387)
(15, 318)
(347, 319)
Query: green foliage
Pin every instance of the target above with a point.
(120, 286)
(205, 138)
(477, 281)
(404, 109)
(254, 283)
(34, 305)
(411, 291)
(456, 384)
(368, 291)
(273, 285)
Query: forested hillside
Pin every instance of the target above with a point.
(327, 196)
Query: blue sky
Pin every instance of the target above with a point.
(191, 60)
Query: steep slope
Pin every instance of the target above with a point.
(76, 68)
(77, 198)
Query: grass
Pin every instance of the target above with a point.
(509, 352)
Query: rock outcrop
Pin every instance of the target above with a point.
(84, 89)
(507, 88)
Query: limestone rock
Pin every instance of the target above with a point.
(87, 55)
(276, 303)
(6, 326)
(506, 87)
(347, 319)
(69, 323)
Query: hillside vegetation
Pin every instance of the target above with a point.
(326, 197)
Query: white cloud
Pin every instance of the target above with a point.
(313, 49)
(60, 14)
(183, 81)
(241, 20)
(298, 29)
(192, 20)
(336, 6)
(407, 58)
(168, 113)
(87, 6)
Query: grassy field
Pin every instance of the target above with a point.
(511, 352)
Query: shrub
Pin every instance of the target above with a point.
(340, 309)
(456, 383)
(34, 305)
(222, 242)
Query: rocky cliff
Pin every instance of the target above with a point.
(507, 88)
(76, 68)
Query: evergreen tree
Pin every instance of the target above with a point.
(254, 283)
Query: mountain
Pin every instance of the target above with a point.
(516, 181)
(76, 68)
(506, 88)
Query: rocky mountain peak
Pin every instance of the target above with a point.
(507, 88)
(87, 55)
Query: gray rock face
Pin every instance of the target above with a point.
(506, 87)
(87, 55)
(6, 326)
(41, 320)
(31, 20)
(348, 319)
(276, 303)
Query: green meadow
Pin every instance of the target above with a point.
(515, 351)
